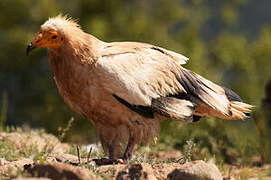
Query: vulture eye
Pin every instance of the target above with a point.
(54, 37)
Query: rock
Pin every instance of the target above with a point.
(127, 172)
(10, 168)
(136, 171)
(57, 170)
(67, 164)
(68, 158)
(167, 155)
(2, 161)
(33, 139)
(110, 170)
(161, 170)
(31, 178)
(196, 170)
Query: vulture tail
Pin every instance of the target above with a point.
(238, 109)
(212, 99)
(177, 109)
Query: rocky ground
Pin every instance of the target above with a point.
(37, 155)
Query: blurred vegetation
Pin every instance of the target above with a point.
(228, 42)
(3, 110)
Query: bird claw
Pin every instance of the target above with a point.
(107, 161)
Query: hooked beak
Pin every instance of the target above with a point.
(29, 48)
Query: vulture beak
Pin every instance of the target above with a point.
(29, 48)
(37, 42)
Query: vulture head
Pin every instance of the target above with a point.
(53, 33)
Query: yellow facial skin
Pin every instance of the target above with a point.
(49, 38)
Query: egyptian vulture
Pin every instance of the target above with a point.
(126, 88)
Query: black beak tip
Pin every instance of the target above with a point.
(29, 48)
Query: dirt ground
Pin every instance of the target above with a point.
(37, 155)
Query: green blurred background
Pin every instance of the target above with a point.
(227, 41)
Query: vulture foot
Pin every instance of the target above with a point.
(107, 161)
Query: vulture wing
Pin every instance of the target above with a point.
(143, 74)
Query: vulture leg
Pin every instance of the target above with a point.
(107, 161)
(111, 150)
(129, 149)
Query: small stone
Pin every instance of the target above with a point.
(196, 170)
(57, 170)
(2, 161)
